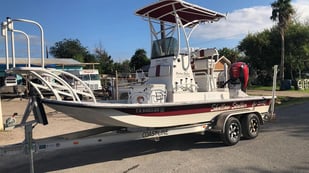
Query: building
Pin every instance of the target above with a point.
(58, 63)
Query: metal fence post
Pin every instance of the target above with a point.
(1, 119)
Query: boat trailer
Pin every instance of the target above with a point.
(101, 135)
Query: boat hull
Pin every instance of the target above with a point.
(155, 115)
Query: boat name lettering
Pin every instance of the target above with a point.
(219, 107)
(183, 74)
(148, 110)
(222, 107)
(155, 133)
(259, 103)
(239, 105)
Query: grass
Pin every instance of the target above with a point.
(269, 88)
(290, 101)
(264, 88)
(303, 91)
(284, 100)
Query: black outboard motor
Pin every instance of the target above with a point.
(239, 74)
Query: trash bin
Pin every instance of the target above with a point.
(285, 84)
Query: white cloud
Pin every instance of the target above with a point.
(237, 24)
(302, 10)
(240, 22)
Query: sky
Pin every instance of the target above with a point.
(113, 25)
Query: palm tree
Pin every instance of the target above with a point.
(282, 12)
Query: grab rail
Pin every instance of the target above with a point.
(51, 81)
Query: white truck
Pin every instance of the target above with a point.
(90, 76)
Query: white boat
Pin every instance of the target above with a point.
(179, 91)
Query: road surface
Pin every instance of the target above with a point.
(281, 147)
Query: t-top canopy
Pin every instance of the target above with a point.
(189, 14)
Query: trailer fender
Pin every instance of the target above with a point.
(220, 120)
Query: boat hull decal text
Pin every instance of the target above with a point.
(222, 107)
(155, 133)
(149, 110)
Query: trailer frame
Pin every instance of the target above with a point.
(103, 135)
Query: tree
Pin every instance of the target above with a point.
(261, 50)
(297, 48)
(232, 54)
(69, 48)
(282, 11)
(122, 67)
(139, 59)
(90, 58)
(105, 60)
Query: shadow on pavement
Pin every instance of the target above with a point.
(69, 158)
(292, 119)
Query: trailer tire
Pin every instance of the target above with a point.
(251, 126)
(232, 131)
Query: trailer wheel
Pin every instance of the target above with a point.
(232, 131)
(251, 126)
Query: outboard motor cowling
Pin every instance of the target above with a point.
(239, 74)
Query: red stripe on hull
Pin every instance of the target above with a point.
(194, 109)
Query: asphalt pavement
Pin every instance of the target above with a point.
(281, 147)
